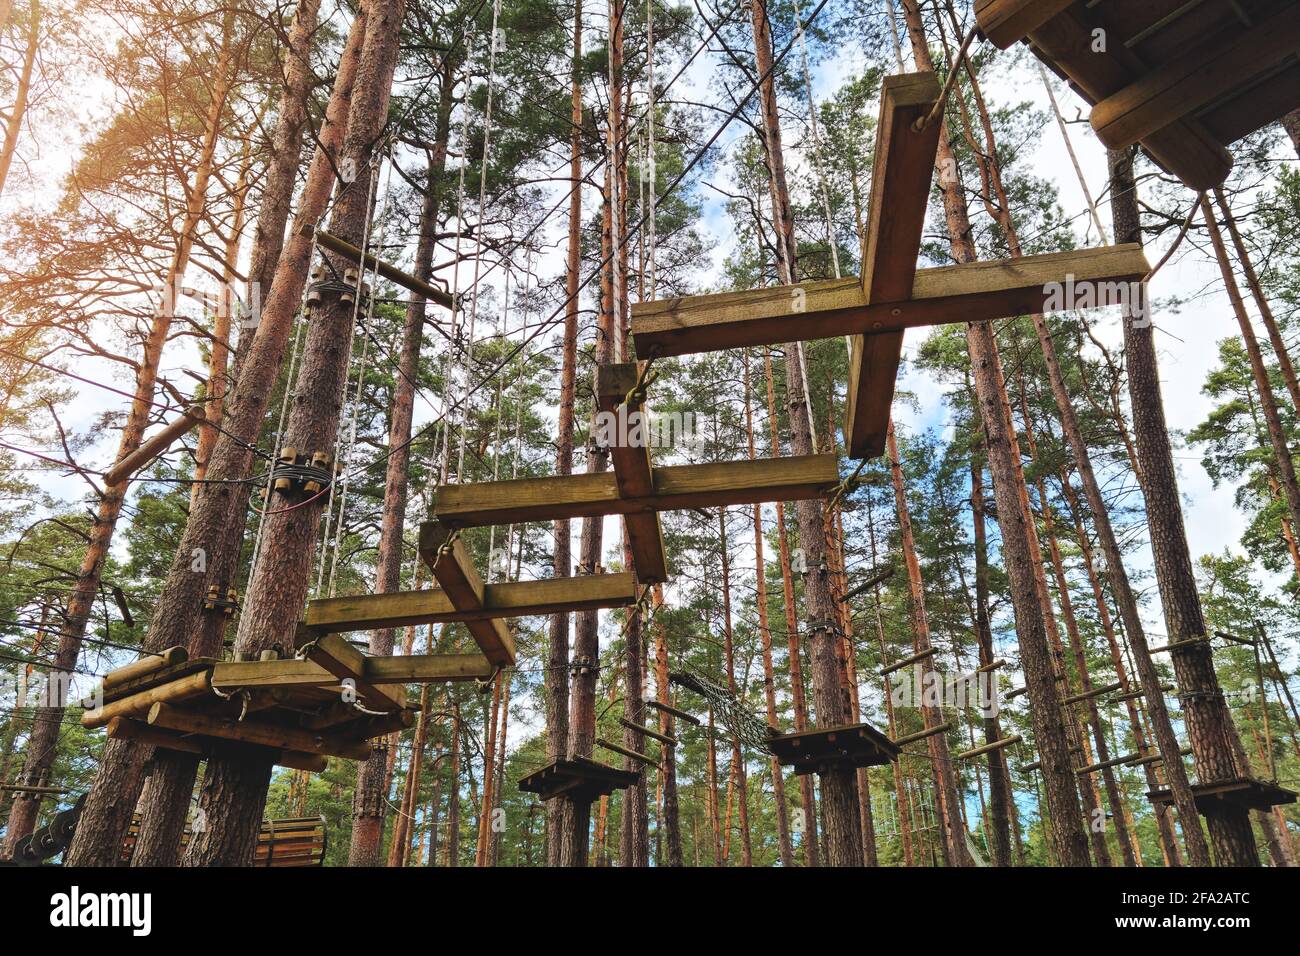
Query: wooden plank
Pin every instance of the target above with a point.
(147, 664)
(976, 291)
(1226, 60)
(347, 663)
(345, 248)
(676, 487)
(454, 571)
(1254, 108)
(1184, 147)
(427, 668)
(630, 452)
(195, 685)
(1005, 23)
(294, 674)
(363, 612)
(900, 192)
(251, 732)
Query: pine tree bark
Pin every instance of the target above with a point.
(1291, 123)
(1205, 711)
(729, 653)
(22, 91)
(42, 745)
(234, 791)
(212, 534)
(1050, 732)
(671, 817)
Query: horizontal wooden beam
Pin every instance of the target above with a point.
(923, 734)
(443, 551)
(1006, 22)
(364, 612)
(347, 663)
(428, 668)
(125, 728)
(989, 748)
(677, 487)
(975, 291)
(250, 732)
(1196, 78)
(390, 272)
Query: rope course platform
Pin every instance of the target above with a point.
(1243, 792)
(582, 779)
(892, 294)
(830, 748)
(1183, 79)
(293, 712)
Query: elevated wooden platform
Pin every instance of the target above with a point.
(818, 750)
(1248, 793)
(1185, 79)
(582, 779)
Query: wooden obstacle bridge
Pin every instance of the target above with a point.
(1185, 78)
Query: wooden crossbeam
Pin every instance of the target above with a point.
(345, 248)
(1180, 87)
(900, 189)
(629, 449)
(976, 291)
(1005, 22)
(364, 612)
(455, 573)
(345, 662)
(676, 487)
(263, 735)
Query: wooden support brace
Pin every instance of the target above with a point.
(996, 745)
(900, 190)
(923, 734)
(347, 663)
(1017, 692)
(1006, 22)
(677, 487)
(124, 728)
(908, 661)
(445, 554)
(996, 665)
(653, 734)
(1107, 764)
(1157, 758)
(343, 248)
(1095, 692)
(1135, 694)
(627, 435)
(154, 446)
(263, 735)
(145, 665)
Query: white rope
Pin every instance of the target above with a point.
(454, 367)
(614, 198)
(652, 115)
(478, 233)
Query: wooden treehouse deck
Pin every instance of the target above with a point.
(820, 749)
(1248, 793)
(581, 779)
(1184, 79)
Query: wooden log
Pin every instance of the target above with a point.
(991, 667)
(1224, 635)
(633, 477)
(923, 734)
(669, 709)
(347, 663)
(654, 734)
(428, 668)
(195, 685)
(1176, 645)
(364, 612)
(649, 761)
(21, 788)
(900, 192)
(145, 665)
(996, 745)
(1030, 767)
(264, 735)
(388, 271)
(677, 487)
(1005, 23)
(1095, 692)
(126, 728)
(1157, 758)
(155, 446)
(1106, 764)
(1227, 60)
(908, 661)
(1017, 692)
(1135, 694)
(877, 577)
(975, 291)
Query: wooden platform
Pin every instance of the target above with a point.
(1185, 79)
(818, 750)
(582, 779)
(1251, 794)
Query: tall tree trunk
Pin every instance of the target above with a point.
(729, 651)
(945, 780)
(42, 745)
(671, 819)
(1050, 732)
(489, 775)
(1205, 712)
(22, 90)
(211, 540)
(234, 791)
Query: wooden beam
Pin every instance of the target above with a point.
(653, 734)
(906, 661)
(124, 728)
(364, 612)
(391, 272)
(347, 663)
(250, 732)
(1005, 23)
(1180, 87)
(976, 291)
(923, 734)
(987, 748)
(631, 754)
(195, 685)
(629, 450)
(445, 554)
(900, 192)
(1095, 692)
(145, 665)
(677, 487)
(669, 709)
(428, 668)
